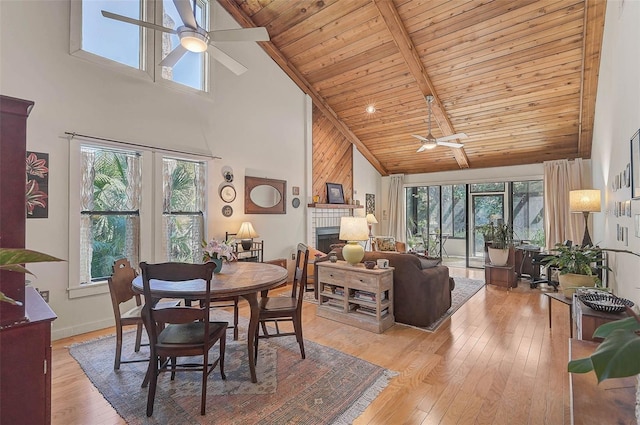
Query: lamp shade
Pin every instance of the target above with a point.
(371, 219)
(585, 200)
(354, 229)
(246, 231)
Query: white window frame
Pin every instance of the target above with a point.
(151, 49)
(150, 209)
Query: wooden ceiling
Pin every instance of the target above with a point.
(518, 77)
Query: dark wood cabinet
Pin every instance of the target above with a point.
(25, 330)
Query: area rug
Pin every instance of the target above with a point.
(464, 290)
(328, 387)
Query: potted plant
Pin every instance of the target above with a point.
(617, 355)
(12, 259)
(500, 236)
(577, 266)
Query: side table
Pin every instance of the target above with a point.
(504, 276)
(564, 300)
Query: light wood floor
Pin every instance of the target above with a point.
(495, 362)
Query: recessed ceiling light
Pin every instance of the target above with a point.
(371, 109)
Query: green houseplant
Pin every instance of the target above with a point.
(12, 259)
(577, 266)
(500, 235)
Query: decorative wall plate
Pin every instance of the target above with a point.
(228, 193)
(295, 202)
(227, 211)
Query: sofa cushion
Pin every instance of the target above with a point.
(428, 262)
(385, 243)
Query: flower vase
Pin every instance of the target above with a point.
(218, 263)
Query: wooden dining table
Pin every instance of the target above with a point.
(244, 279)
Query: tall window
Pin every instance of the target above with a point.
(528, 211)
(183, 209)
(110, 216)
(108, 40)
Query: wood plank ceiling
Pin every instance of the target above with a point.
(518, 77)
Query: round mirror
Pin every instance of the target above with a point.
(265, 196)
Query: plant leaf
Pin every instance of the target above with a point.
(11, 257)
(629, 323)
(580, 365)
(617, 356)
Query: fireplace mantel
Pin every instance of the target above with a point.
(335, 206)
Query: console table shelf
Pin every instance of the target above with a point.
(356, 295)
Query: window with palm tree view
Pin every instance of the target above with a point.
(111, 199)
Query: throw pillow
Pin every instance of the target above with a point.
(428, 262)
(386, 243)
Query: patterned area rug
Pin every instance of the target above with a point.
(464, 290)
(329, 387)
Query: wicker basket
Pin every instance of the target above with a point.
(605, 302)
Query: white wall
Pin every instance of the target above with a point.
(366, 179)
(256, 123)
(617, 118)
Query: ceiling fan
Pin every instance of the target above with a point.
(431, 142)
(194, 38)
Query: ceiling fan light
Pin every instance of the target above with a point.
(193, 41)
(430, 145)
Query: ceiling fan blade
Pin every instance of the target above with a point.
(243, 34)
(422, 148)
(137, 22)
(233, 65)
(174, 56)
(452, 137)
(186, 13)
(420, 138)
(450, 144)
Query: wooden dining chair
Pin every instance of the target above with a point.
(121, 292)
(187, 330)
(285, 309)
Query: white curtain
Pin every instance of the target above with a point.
(560, 177)
(396, 208)
(87, 163)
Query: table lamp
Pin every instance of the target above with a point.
(353, 230)
(585, 201)
(246, 235)
(371, 220)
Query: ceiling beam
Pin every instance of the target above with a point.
(392, 19)
(238, 14)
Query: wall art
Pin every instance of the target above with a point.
(37, 185)
(370, 201)
(334, 193)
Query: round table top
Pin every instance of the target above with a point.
(235, 279)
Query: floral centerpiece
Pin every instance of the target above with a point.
(215, 249)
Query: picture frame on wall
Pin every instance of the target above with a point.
(635, 166)
(335, 195)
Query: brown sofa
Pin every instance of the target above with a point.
(420, 295)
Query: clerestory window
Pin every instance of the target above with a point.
(135, 49)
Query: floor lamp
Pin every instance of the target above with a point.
(585, 201)
(371, 220)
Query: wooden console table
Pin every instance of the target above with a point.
(356, 295)
(610, 402)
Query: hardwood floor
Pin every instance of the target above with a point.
(495, 362)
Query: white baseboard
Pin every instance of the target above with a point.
(80, 329)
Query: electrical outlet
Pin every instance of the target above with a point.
(293, 255)
(45, 296)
